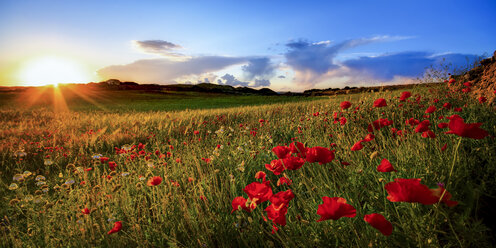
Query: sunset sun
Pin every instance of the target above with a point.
(53, 70)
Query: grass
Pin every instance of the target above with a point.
(192, 205)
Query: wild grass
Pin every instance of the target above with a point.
(192, 205)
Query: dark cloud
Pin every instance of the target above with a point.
(405, 64)
(166, 71)
(231, 80)
(318, 57)
(261, 83)
(158, 47)
(282, 76)
(258, 67)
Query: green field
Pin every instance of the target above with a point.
(206, 157)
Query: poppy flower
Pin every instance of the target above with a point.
(335, 208)
(428, 134)
(284, 180)
(368, 138)
(258, 192)
(385, 166)
(345, 105)
(275, 166)
(447, 105)
(154, 181)
(446, 197)
(357, 146)
(482, 99)
(277, 213)
(380, 223)
(457, 109)
(239, 202)
(117, 227)
(319, 154)
(298, 148)
(381, 102)
(112, 165)
(423, 126)
(86, 211)
(260, 175)
(444, 147)
(293, 163)
(458, 126)
(412, 122)
(281, 151)
(451, 81)
(430, 109)
(468, 84)
(342, 121)
(378, 124)
(409, 190)
(442, 125)
(405, 95)
(282, 198)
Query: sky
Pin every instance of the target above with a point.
(283, 45)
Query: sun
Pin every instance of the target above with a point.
(52, 70)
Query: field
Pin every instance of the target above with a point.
(128, 173)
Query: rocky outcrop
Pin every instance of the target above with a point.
(483, 78)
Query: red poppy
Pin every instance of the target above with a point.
(466, 90)
(380, 223)
(284, 180)
(378, 124)
(342, 121)
(103, 159)
(385, 166)
(468, 84)
(446, 197)
(430, 109)
(281, 151)
(405, 95)
(112, 165)
(258, 192)
(381, 102)
(275, 166)
(319, 154)
(451, 81)
(86, 211)
(335, 208)
(117, 227)
(239, 202)
(345, 105)
(458, 126)
(154, 181)
(293, 163)
(277, 213)
(260, 175)
(298, 148)
(447, 105)
(423, 126)
(444, 147)
(482, 99)
(357, 146)
(457, 109)
(368, 138)
(429, 134)
(282, 198)
(442, 125)
(409, 190)
(412, 122)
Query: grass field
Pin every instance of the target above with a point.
(171, 179)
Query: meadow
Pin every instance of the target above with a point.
(339, 171)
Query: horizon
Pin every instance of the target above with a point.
(284, 47)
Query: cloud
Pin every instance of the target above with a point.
(258, 67)
(312, 60)
(261, 83)
(166, 70)
(161, 47)
(406, 64)
(231, 80)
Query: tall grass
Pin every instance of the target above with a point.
(192, 206)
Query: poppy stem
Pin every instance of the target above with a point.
(454, 160)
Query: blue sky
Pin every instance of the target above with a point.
(285, 45)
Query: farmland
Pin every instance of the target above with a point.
(210, 172)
